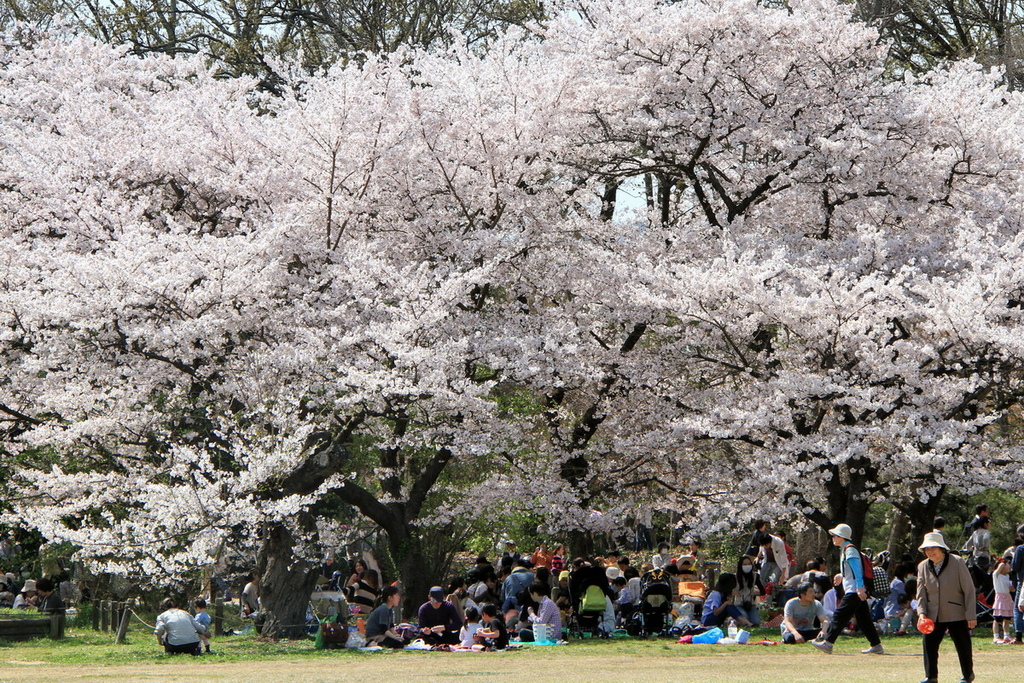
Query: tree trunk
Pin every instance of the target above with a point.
(406, 548)
(899, 531)
(810, 543)
(286, 581)
(920, 515)
(580, 544)
(856, 516)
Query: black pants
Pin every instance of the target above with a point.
(961, 636)
(194, 649)
(388, 641)
(852, 606)
(446, 638)
(808, 634)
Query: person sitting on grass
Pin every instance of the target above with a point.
(561, 593)
(718, 606)
(467, 636)
(663, 557)
(546, 612)
(486, 589)
(748, 589)
(49, 599)
(362, 595)
(439, 622)
(251, 597)
(380, 625)
(520, 578)
(831, 598)
(6, 596)
(177, 630)
(624, 604)
(492, 632)
(800, 615)
(28, 598)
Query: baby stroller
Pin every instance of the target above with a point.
(651, 617)
(981, 574)
(589, 592)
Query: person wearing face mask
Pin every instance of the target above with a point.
(748, 589)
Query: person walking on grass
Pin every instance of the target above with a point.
(854, 602)
(946, 597)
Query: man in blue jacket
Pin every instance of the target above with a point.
(855, 596)
(519, 580)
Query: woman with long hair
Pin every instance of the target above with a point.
(718, 606)
(363, 593)
(358, 567)
(748, 589)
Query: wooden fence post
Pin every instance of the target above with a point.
(95, 614)
(105, 615)
(218, 616)
(57, 622)
(122, 630)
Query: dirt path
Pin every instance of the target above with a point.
(758, 666)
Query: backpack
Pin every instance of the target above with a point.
(880, 584)
(332, 634)
(876, 582)
(871, 583)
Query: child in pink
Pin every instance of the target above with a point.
(1002, 606)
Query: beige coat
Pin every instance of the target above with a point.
(950, 596)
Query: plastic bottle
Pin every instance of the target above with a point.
(733, 630)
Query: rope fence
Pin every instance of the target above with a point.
(111, 615)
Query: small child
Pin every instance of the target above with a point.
(623, 600)
(204, 620)
(1002, 606)
(468, 632)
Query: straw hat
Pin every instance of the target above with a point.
(933, 539)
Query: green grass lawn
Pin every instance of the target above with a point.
(86, 655)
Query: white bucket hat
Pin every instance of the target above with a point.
(842, 531)
(933, 539)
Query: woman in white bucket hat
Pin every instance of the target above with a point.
(946, 595)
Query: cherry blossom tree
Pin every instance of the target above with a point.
(223, 313)
(818, 254)
(217, 317)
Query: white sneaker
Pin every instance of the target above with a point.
(823, 645)
(874, 650)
